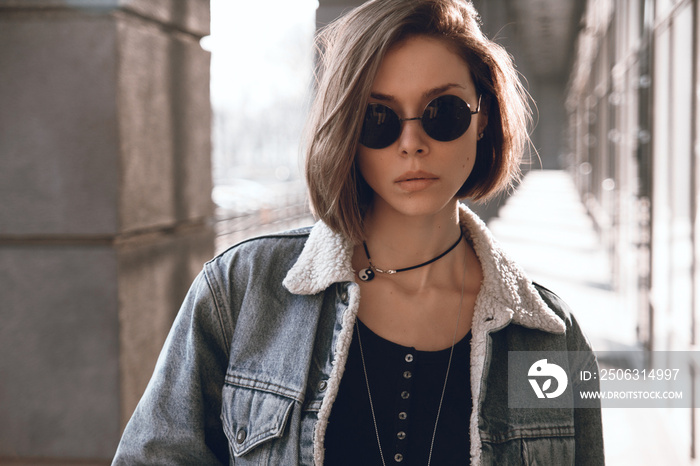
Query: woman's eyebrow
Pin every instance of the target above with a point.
(382, 97)
(440, 89)
(426, 95)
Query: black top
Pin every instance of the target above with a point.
(406, 385)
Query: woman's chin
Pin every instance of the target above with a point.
(416, 206)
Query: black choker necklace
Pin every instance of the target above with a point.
(367, 274)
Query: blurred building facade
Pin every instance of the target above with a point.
(632, 108)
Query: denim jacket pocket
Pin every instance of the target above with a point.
(540, 451)
(252, 418)
(530, 447)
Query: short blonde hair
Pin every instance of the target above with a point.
(350, 52)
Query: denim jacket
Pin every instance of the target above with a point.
(252, 365)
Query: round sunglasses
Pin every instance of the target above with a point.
(445, 118)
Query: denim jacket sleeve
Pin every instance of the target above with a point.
(587, 420)
(178, 420)
(588, 426)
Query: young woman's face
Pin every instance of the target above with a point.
(416, 174)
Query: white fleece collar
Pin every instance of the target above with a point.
(326, 259)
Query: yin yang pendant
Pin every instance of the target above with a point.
(366, 274)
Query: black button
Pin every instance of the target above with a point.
(241, 436)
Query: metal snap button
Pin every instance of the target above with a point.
(405, 395)
(322, 386)
(401, 435)
(344, 297)
(403, 416)
(398, 457)
(407, 375)
(241, 436)
(409, 358)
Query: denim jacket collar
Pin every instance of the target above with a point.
(326, 259)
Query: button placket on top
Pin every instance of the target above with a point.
(402, 416)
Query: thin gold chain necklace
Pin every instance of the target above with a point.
(444, 385)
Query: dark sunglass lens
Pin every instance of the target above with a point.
(446, 118)
(381, 127)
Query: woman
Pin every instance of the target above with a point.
(275, 359)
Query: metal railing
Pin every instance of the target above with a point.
(285, 207)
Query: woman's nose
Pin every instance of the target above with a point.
(413, 140)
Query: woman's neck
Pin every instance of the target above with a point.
(418, 307)
(397, 241)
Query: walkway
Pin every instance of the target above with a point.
(544, 226)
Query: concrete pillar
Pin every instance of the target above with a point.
(105, 182)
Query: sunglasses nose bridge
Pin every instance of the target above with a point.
(412, 140)
(401, 120)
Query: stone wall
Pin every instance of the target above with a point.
(105, 208)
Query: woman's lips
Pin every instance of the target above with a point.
(416, 181)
